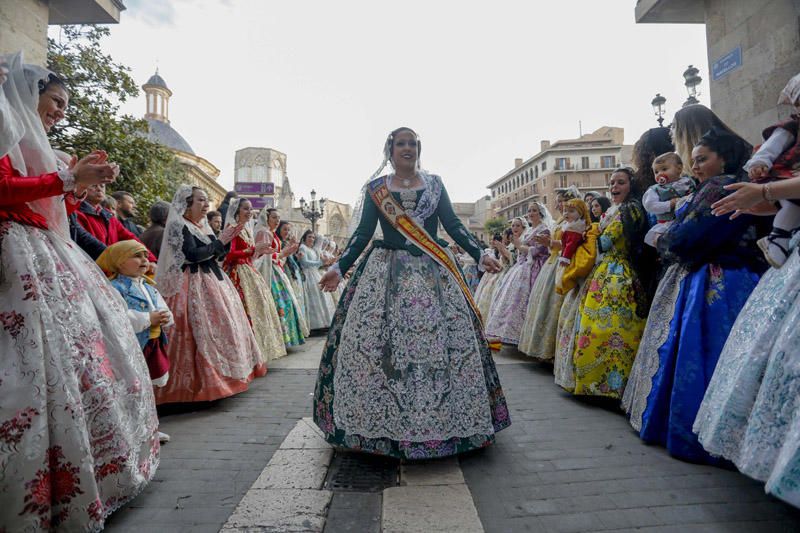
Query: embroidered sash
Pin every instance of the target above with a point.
(399, 220)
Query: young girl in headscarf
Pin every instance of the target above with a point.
(126, 265)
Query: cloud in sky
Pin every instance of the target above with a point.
(326, 81)
(151, 12)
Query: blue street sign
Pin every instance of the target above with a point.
(727, 63)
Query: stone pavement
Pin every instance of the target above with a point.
(565, 464)
(568, 464)
(217, 451)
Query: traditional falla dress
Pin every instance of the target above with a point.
(319, 305)
(256, 296)
(749, 414)
(406, 370)
(609, 324)
(292, 320)
(78, 425)
(212, 350)
(538, 336)
(715, 265)
(484, 294)
(507, 311)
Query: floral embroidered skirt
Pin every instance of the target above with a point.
(78, 425)
(538, 336)
(749, 412)
(568, 320)
(608, 330)
(484, 294)
(256, 296)
(678, 358)
(406, 370)
(212, 351)
(507, 311)
(292, 321)
(319, 305)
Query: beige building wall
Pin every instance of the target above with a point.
(23, 23)
(586, 163)
(768, 32)
(23, 26)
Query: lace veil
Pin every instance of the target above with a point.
(248, 232)
(169, 271)
(387, 160)
(30, 154)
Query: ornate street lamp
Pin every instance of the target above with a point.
(313, 210)
(659, 109)
(692, 79)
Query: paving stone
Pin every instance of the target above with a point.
(439, 472)
(281, 510)
(295, 469)
(305, 435)
(354, 512)
(569, 465)
(423, 509)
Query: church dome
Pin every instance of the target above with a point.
(157, 81)
(162, 133)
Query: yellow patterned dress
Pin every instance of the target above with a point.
(609, 330)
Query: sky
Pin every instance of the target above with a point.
(482, 83)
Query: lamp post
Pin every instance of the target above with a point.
(313, 210)
(692, 80)
(659, 109)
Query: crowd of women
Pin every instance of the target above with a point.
(661, 298)
(78, 427)
(657, 298)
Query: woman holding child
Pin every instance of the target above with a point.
(715, 264)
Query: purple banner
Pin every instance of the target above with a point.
(261, 202)
(254, 188)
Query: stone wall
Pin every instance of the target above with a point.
(23, 26)
(768, 32)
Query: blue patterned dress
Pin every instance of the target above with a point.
(716, 265)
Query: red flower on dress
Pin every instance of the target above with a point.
(31, 292)
(57, 484)
(11, 430)
(13, 322)
(95, 510)
(114, 467)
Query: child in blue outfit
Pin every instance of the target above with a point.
(126, 265)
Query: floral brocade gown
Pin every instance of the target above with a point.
(609, 328)
(406, 370)
(715, 265)
(256, 297)
(285, 301)
(538, 336)
(749, 414)
(507, 312)
(78, 424)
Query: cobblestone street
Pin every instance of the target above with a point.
(563, 465)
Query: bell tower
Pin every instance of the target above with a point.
(157, 94)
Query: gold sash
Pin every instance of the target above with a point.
(397, 217)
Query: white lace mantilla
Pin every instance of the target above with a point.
(408, 364)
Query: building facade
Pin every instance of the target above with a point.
(198, 170)
(23, 23)
(473, 216)
(753, 49)
(260, 174)
(586, 163)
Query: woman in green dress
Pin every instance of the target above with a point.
(406, 370)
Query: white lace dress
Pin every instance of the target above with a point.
(750, 412)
